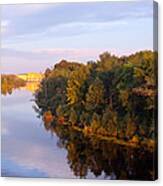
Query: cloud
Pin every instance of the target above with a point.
(78, 28)
(71, 52)
(45, 34)
(17, 61)
(68, 30)
(38, 18)
(49, 53)
(4, 26)
(30, 55)
(4, 23)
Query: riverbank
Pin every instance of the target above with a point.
(134, 141)
(148, 144)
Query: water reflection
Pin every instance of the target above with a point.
(31, 86)
(29, 151)
(101, 157)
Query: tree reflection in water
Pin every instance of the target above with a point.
(89, 154)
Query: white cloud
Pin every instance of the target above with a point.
(69, 52)
(70, 29)
(82, 27)
(4, 25)
(48, 53)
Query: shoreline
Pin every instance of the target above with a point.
(146, 144)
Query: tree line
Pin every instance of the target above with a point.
(113, 96)
(10, 82)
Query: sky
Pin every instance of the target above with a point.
(37, 36)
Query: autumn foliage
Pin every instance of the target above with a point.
(113, 96)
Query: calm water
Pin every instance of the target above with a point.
(29, 150)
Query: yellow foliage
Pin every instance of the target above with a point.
(135, 139)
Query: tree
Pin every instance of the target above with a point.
(107, 62)
(109, 121)
(95, 95)
(75, 82)
(116, 96)
(96, 122)
(73, 117)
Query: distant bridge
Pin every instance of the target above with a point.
(31, 77)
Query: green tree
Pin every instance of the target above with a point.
(109, 121)
(73, 117)
(95, 95)
(75, 82)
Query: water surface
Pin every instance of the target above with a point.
(27, 148)
(30, 149)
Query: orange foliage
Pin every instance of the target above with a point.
(48, 117)
(61, 120)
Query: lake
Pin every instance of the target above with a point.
(31, 150)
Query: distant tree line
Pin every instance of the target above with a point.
(113, 96)
(10, 82)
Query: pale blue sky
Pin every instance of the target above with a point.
(37, 36)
